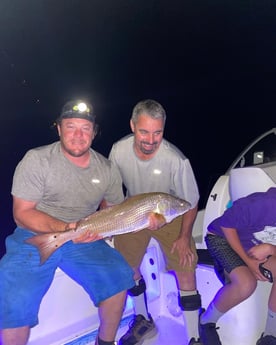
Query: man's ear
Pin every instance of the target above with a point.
(58, 128)
(132, 125)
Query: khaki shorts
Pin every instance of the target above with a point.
(134, 245)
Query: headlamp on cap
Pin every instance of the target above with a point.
(77, 109)
(81, 107)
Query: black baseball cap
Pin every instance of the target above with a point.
(77, 109)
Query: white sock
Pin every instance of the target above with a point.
(191, 317)
(211, 315)
(140, 303)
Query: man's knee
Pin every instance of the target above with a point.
(15, 336)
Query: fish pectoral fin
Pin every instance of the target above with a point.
(156, 221)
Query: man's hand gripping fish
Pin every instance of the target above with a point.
(133, 214)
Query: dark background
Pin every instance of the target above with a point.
(211, 64)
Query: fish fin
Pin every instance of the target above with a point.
(46, 244)
(156, 220)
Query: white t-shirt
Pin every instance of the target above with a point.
(169, 171)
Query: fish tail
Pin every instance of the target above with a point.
(46, 244)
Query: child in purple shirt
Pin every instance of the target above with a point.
(242, 243)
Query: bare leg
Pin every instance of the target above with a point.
(15, 336)
(186, 280)
(137, 273)
(241, 286)
(110, 314)
(271, 265)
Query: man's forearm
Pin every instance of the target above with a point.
(39, 221)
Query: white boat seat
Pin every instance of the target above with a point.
(245, 181)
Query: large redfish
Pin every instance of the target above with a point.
(133, 214)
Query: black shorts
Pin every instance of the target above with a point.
(223, 255)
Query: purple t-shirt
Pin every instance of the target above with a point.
(254, 218)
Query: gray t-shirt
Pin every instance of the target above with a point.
(169, 171)
(62, 189)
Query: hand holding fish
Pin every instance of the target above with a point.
(87, 237)
(156, 221)
(84, 237)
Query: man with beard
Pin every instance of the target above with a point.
(149, 163)
(53, 187)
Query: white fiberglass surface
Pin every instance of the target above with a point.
(70, 319)
(169, 332)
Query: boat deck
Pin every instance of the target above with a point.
(169, 332)
(67, 316)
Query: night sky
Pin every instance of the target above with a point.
(211, 64)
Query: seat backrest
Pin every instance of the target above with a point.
(245, 181)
